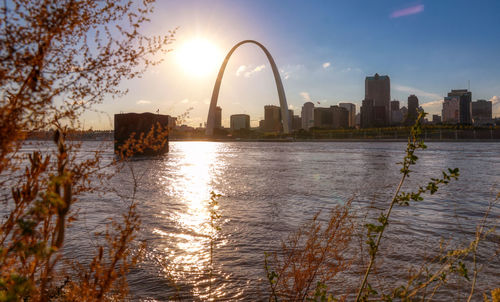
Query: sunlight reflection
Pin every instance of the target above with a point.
(189, 251)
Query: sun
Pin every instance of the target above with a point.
(198, 57)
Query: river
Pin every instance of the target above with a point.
(268, 190)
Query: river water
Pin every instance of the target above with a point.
(268, 190)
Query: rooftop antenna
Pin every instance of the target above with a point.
(468, 85)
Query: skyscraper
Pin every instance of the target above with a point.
(351, 109)
(307, 115)
(396, 115)
(450, 110)
(412, 109)
(340, 117)
(367, 113)
(296, 123)
(272, 118)
(290, 119)
(218, 118)
(464, 99)
(378, 89)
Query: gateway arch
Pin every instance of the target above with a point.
(277, 78)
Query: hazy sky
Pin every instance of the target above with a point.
(324, 50)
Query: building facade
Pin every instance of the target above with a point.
(378, 89)
(482, 111)
(367, 113)
(412, 110)
(436, 119)
(461, 98)
(218, 118)
(307, 115)
(272, 118)
(334, 117)
(450, 110)
(351, 109)
(396, 115)
(296, 123)
(240, 121)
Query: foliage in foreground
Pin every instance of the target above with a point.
(293, 273)
(58, 58)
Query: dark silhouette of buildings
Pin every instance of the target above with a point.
(272, 118)
(436, 119)
(412, 110)
(334, 117)
(239, 121)
(218, 118)
(482, 112)
(378, 89)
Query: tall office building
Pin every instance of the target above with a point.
(351, 109)
(450, 110)
(290, 119)
(340, 117)
(367, 114)
(378, 89)
(218, 117)
(394, 105)
(296, 123)
(396, 115)
(412, 109)
(307, 115)
(240, 121)
(464, 99)
(482, 111)
(272, 118)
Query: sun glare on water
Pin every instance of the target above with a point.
(198, 57)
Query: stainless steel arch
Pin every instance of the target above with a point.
(277, 78)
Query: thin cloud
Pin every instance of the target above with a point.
(143, 102)
(433, 103)
(412, 10)
(349, 69)
(495, 100)
(433, 107)
(496, 105)
(255, 70)
(241, 70)
(326, 65)
(306, 96)
(417, 92)
(291, 71)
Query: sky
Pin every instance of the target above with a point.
(323, 49)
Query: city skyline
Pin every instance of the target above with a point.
(321, 61)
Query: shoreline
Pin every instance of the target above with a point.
(336, 140)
